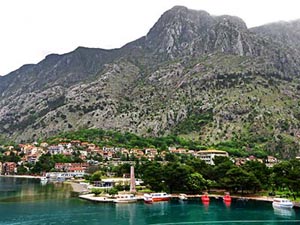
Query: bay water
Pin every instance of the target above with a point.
(26, 201)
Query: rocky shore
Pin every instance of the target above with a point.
(79, 187)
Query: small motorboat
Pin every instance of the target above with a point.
(156, 197)
(282, 203)
(161, 196)
(44, 180)
(148, 199)
(125, 198)
(182, 197)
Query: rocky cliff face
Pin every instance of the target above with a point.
(55, 70)
(286, 33)
(181, 31)
(205, 77)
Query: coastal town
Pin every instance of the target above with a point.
(89, 155)
(101, 172)
(120, 177)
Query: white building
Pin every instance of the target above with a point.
(209, 155)
(56, 149)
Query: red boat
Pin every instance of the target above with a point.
(205, 198)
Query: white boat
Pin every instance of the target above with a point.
(182, 197)
(148, 198)
(282, 203)
(125, 198)
(44, 180)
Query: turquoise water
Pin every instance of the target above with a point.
(25, 201)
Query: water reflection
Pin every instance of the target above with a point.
(21, 189)
(282, 212)
(206, 204)
(126, 212)
(227, 203)
(158, 208)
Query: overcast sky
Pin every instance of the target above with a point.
(32, 29)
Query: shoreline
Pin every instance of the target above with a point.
(91, 197)
(22, 176)
(82, 189)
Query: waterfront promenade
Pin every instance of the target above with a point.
(91, 197)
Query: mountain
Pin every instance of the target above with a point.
(207, 78)
(287, 33)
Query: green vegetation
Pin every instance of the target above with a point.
(12, 157)
(118, 139)
(286, 177)
(235, 147)
(96, 191)
(232, 147)
(193, 122)
(96, 176)
(194, 176)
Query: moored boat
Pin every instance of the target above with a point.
(125, 198)
(182, 197)
(204, 198)
(148, 199)
(162, 196)
(44, 180)
(282, 203)
(227, 197)
(157, 197)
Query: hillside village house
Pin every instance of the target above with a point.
(71, 167)
(31, 158)
(240, 161)
(271, 161)
(151, 153)
(9, 168)
(56, 149)
(178, 150)
(138, 153)
(44, 145)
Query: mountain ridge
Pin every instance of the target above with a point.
(208, 78)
